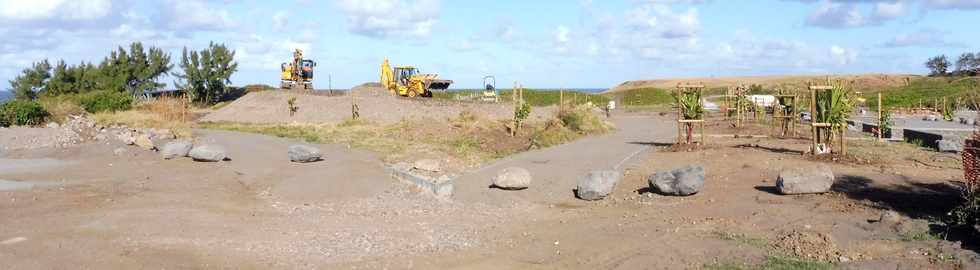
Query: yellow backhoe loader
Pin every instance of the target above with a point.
(297, 74)
(406, 81)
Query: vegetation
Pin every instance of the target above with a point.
(133, 71)
(22, 113)
(833, 107)
(169, 113)
(938, 66)
(885, 122)
(774, 263)
(968, 64)
(291, 105)
(105, 101)
(644, 97)
(206, 73)
(926, 91)
(534, 97)
(521, 111)
(692, 109)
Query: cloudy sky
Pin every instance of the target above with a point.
(546, 43)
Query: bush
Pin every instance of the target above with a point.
(60, 107)
(102, 101)
(21, 112)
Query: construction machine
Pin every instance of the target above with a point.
(406, 81)
(490, 89)
(297, 74)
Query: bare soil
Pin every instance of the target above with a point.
(258, 211)
(374, 105)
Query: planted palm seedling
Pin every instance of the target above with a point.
(691, 109)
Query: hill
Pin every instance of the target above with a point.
(5, 95)
(860, 82)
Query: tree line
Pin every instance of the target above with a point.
(968, 64)
(203, 75)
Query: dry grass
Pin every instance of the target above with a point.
(61, 107)
(168, 113)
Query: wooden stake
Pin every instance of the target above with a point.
(881, 124)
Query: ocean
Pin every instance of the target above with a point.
(5, 95)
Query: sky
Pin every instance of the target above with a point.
(542, 43)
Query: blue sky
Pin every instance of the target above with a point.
(574, 43)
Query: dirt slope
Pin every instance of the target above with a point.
(375, 105)
(863, 81)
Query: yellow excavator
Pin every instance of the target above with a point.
(406, 81)
(297, 74)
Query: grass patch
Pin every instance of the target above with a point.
(643, 97)
(926, 90)
(743, 239)
(168, 113)
(534, 97)
(774, 263)
(914, 236)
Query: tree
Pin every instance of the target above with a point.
(31, 80)
(938, 66)
(966, 64)
(135, 71)
(206, 73)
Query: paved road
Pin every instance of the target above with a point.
(556, 170)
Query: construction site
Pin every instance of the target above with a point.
(300, 144)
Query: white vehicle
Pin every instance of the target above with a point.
(762, 100)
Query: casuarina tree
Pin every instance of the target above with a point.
(206, 73)
(31, 80)
(938, 66)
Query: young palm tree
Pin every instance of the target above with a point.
(833, 107)
(690, 103)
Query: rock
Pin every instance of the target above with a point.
(804, 180)
(208, 153)
(127, 138)
(119, 151)
(930, 118)
(303, 153)
(178, 148)
(53, 125)
(512, 178)
(430, 165)
(951, 146)
(144, 141)
(597, 185)
(680, 182)
(890, 217)
(99, 137)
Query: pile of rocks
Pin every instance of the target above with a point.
(186, 148)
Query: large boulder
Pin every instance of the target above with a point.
(680, 182)
(429, 165)
(208, 153)
(512, 178)
(304, 153)
(178, 148)
(804, 180)
(597, 185)
(144, 141)
(950, 146)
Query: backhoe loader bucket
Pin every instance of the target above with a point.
(439, 84)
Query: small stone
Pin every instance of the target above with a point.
(890, 217)
(512, 178)
(429, 165)
(178, 148)
(679, 182)
(804, 180)
(208, 153)
(597, 185)
(119, 151)
(127, 138)
(53, 125)
(950, 146)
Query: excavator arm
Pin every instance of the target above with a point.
(387, 76)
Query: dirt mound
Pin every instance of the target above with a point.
(374, 103)
(809, 245)
(864, 81)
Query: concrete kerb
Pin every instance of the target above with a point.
(441, 188)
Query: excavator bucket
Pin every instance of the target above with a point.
(439, 84)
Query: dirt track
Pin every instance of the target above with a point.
(259, 211)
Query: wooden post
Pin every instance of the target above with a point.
(881, 124)
(813, 118)
(561, 101)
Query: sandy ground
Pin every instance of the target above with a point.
(259, 211)
(374, 105)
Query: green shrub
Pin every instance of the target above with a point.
(101, 101)
(581, 119)
(21, 112)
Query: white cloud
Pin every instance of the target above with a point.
(54, 9)
(662, 21)
(280, 20)
(953, 4)
(391, 18)
(843, 56)
(928, 38)
(836, 15)
(194, 15)
(561, 34)
(884, 11)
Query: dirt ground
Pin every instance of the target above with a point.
(258, 211)
(374, 105)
